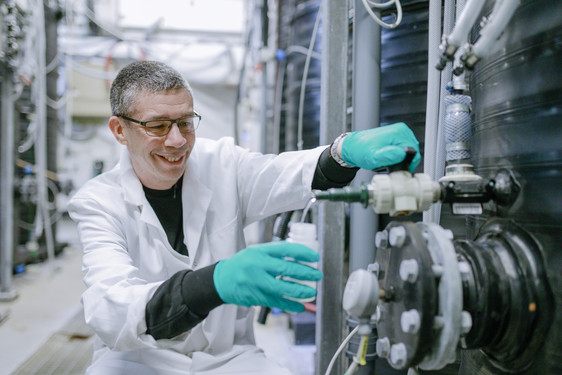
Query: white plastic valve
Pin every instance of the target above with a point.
(399, 193)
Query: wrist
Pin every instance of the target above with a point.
(336, 150)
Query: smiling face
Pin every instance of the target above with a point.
(158, 162)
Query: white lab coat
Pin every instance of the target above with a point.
(127, 255)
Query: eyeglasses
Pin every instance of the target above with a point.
(160, 128)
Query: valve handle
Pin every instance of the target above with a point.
(404, 165)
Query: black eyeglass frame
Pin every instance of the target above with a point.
(172, 122)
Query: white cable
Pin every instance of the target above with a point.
(340, 349)
(393, 25)
(302, 50)
(57, 214)
(92, 16)
(57, 104)
(381, 5)
(54, 62)
(29, 141)
(353, 367)
(300, 140)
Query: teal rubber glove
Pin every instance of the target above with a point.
(251, 276)
(379, 147)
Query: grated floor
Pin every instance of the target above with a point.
(67, 352)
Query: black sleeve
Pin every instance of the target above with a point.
(181, 302)
(330, 174)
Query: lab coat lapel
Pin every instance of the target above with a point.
(133, 192)
(196, 198)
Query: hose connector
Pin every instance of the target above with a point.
(350, 194)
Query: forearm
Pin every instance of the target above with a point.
(329, 173)
(181, 303)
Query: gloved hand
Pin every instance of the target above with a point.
(379, 147)
(250, 276)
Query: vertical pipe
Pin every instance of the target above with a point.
(446, 75)
(330, 317)
(366, 114)
(7, 189)
(433, 86)
(41, 154)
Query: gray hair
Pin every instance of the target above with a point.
(139, 76)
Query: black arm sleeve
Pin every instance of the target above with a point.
(330, 174)
(181, 302)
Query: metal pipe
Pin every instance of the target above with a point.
(465, 22)
(330, 319)
(433, 89)
(41, 143)
(446, 75)
(7, 189)
(366, 114)
(491, 32)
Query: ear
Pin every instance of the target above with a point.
(118, 130)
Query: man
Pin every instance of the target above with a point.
(170, 285)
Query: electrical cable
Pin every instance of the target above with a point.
(55, 217)
(92, 16)
(57, 104)
(360, 358)
(300, 140)
(54, 63)
(340, 349)
(380, 5)
(397, 21)
(303, 51)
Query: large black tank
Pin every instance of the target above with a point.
(517, 104)
(295, 32)
(404, 69)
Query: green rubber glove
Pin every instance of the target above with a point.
(250, 277)
(379, 147)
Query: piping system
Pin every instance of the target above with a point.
(493, 26)
(430, 294)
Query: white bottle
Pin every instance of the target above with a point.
(305, 234)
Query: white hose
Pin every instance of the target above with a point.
(369, 3)
(465, 22)
(498, 20)
(339, 350)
